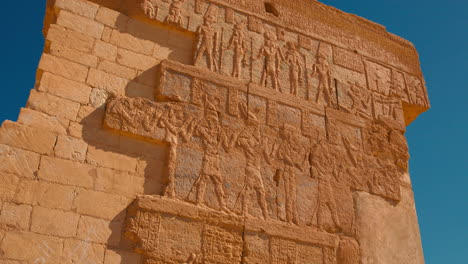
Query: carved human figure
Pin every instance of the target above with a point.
(175, 13)
(322, 70)
(238, 43)
(150, 9)
(176, 125)
(273, 57)
(296, 66)
(323, 167)
(210, 133)
(362, 101)
(208, 42)
(250, 141)
(291, 155)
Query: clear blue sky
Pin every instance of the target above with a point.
(438, 139)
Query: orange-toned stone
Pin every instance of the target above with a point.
(64, 68)
(40, 120)
(69, 38)
(71, 148)
(76, 174)
(79, 7)
(15, 216)
(45, 194)
(54, 222)
(111, 205)
(80, 24)
(62, 87)
(40, 247)
(19, 162)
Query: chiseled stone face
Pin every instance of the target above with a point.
(216, 132)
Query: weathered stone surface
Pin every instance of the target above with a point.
(382, 227)
(80, 24)
(19, 162)
(40, 120)
(71, 148)
(41, 248)
(207, 131)
(67, 172)
(15, 216)
(54, 222)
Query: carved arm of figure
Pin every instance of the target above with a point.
(229, 140)
(187, 130)
(261, 53)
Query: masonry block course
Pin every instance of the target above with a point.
(209, 131)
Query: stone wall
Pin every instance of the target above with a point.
(157, 132)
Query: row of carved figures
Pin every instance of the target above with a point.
(289, 156)
(210, 48)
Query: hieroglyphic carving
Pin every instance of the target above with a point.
(210, 133)
(296, 66)
(323, 168)
(292, 156)
(250, 141)
(208, 40)
(361, 101)
(177, 125)
(321, 69)
(282, 251)
(221, 246)
(175, 13)
(150, 9)
(379, 77)
(144, 229)
(273, 56)
(417, 94)
(238, 43)
(348, 251)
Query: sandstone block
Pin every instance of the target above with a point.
(91, 117)
(40, 120)
(32, 248)
(53, 105)
(69, 38)
(117, 257)
(9, 262)
(73, 55)
(110, 159)
(77, 251)
(95, 135)
(105, 50)
(117, 70)
(66, 172)
(100, 231)
(54, 222)
(79, 7)
(19, 162)
(135, 89)
(62, 87)
(106, 34)
(119, 182)
(28, 138)
(80, 24)
(127, 41)
(45, 194)
(98, 97)
(9, 184)
(108, 82)
(15, 216)
(110, 205)
(143, 30)
(71, 148)
(135, 60)
(112, 18)
(64, 68)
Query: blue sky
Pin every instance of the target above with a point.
(437, 139)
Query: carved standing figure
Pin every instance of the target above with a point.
(250, 140)
(322, 70)
(176, 124)
(323, 167)
(291, 155)
(239, 45)
(273, 57)
(296, 66)
(208, 42)
(362, 101)
(150, 9)
(210, 133)
(175, 13)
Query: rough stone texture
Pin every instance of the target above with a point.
(209, 131)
